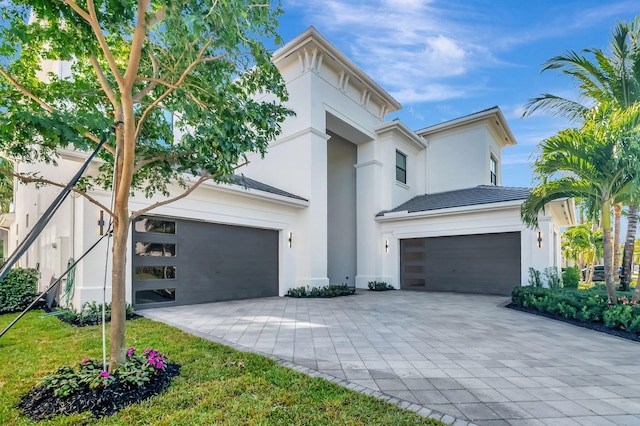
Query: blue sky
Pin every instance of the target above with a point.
(443, 59)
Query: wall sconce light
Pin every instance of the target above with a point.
(386, 246)
(539, 239)
(290, 239)
(101, 223)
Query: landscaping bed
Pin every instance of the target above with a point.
(216, 385)
(332, 290)
(587, 308)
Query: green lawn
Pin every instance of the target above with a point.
(212, 388)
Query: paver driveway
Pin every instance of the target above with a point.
(463, 355)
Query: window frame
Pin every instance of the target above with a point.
(399, 168)
(493, 170)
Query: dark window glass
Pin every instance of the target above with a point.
(160, 226)
(155, 272)
(155, 296)
(401, 167)
(155, 249)
(493, 171)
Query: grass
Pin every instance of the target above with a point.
(217, 385)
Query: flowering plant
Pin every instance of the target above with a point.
(135, 372)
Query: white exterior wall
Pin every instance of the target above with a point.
(465, 221)
(459, 158)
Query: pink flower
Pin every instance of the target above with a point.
(130, 351)
(104, 374)
(159, 365)
(84, 361)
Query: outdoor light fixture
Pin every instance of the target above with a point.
(539, 239)
(101, 223)
(290, 239)
(386, 246)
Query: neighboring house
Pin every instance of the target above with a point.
(342, 196)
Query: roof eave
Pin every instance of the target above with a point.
(475, 208)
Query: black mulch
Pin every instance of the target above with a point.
(40, 403)
(597, 326)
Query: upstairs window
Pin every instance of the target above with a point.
(401, 167)
(493, 170)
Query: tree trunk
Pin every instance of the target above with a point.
(124, 164)
(617, 212)
(627, 256)
(607, 252)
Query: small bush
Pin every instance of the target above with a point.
(18, 289)
(331, 290)
(571, 277)
(552, 277)
(89, 314)
(534, 278)
(379, 286)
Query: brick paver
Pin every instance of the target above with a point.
(463, 357)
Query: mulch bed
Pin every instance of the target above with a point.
(597, 326)
(41, 403)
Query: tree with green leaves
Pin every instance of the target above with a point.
(151, 70)
(6, 186)
(611, 76)
(583, 245)
(590, 162)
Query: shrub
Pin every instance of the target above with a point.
(89, 314)
(534, 278)
(379, 286)
(552, 277)
(18, 289)
(583, 305)
(331, 290)
(571, 277)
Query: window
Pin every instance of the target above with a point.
(493, 170)
(155, 225)
(401, 167)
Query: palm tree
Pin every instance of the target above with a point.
(6, 185)
(583, 245)
(600, 77)
(589, 162)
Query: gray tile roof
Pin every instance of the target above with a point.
(483, 194)
(248, 183)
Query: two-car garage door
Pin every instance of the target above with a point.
(181, 262)
(481, 263)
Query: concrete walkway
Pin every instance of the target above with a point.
(462, 355)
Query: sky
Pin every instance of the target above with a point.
(443, 59)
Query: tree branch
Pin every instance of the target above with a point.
(48, 107)
(102, 79)
(138, 97)
(159, 16)
(148, 161)
(199, 59)
(139, 35)
(30, 179)
(92, 19)
(205, 177)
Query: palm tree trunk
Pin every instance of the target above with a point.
(617, 212)
(627, 256)
(607, 252)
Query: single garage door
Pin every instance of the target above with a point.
(482, 263)
(181, 262)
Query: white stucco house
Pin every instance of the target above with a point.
(343, 196)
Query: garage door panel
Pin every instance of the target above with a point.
(482, 263)
(213, 262)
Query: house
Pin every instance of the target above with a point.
(343, 196)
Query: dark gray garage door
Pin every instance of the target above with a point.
(180, 262)
(483, 263)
